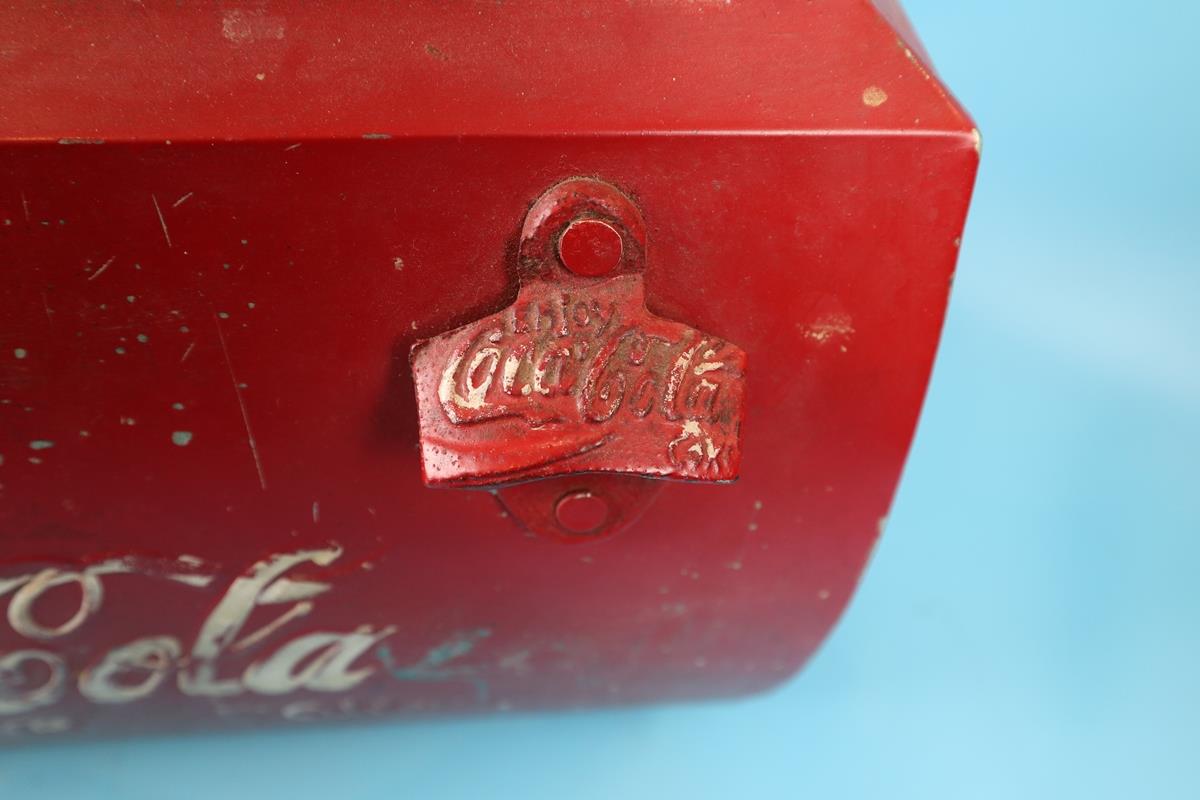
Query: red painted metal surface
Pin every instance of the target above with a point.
(221, 233)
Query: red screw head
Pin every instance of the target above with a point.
(581, 513)
(590, 247)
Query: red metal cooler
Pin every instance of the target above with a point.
(406, 359)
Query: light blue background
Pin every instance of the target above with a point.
(1030, 626)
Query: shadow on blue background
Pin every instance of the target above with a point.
(1029, 625)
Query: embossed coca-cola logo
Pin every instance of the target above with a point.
(578, 348)
(592, 367)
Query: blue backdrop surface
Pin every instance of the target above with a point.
(1030, 624)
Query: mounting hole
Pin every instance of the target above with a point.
(590, 247)
(582, 513)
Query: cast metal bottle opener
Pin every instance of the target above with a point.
(577, 380)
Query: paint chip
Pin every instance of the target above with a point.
(177, 406)
(143, 338)
(20, 352)
(41, 444)
(874, 97)
(828, 327)
(181, 438)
